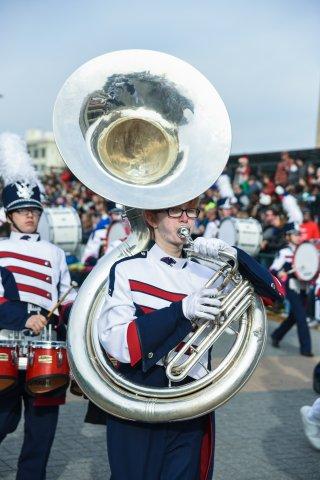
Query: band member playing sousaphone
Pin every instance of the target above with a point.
(153, 300)
(140, 346)
(33, 276)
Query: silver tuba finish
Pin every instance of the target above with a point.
(147, 129)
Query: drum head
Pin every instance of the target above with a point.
(62, 227)
(245, 233)
(228, 231)
(306, 262)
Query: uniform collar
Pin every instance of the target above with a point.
(157, 254)
(33, 237)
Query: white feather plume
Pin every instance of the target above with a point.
(15, 162)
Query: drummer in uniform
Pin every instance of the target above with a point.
(33, 275)
(295, 292)
(99, 242)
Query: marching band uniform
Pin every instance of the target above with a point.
(141, 321)
(33, 275)
(99, 241)
(295, 293)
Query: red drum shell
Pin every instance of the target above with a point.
(48, 367)
(9, 372)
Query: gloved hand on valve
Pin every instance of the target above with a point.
(210, 247)
(201, 304)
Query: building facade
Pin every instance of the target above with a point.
(43, 151)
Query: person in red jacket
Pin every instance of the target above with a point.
(309, 228)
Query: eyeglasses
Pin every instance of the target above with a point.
(25, 211)
(176, 212)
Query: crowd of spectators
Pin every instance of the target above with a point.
(292, 193)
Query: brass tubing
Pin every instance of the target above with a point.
(205, 345)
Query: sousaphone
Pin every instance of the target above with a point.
(147, 130)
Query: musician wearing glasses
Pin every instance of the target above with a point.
(282, 266)
(152, 302)
(33, 275)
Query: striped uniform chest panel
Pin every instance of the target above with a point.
(33, 266)
(155, 285)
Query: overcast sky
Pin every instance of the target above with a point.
(261, 55)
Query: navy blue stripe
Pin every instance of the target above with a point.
(138, 311)
(113, 269)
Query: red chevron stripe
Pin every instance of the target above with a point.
(142, 287)
(26, 258)
(37, 291)
(280, 288)
(29, 273)
(133, 344)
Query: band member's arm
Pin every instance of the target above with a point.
(13, 312)
(278, 263)
(261, 279)
(129, 335)
(264, 282)
(281, 265)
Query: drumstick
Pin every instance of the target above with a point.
(73, 285)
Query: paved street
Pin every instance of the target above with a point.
(259, 434)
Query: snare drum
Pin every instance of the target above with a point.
(48, 367)
(62, 227)
(245, 233)
(306, 261)
(8, 365)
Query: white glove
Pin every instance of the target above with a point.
(210, 247)
(201, 304)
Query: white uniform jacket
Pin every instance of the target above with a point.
(32, 271)
(140, 285)
(284, 262)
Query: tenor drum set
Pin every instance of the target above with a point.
(245, 233)
(44, 360)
